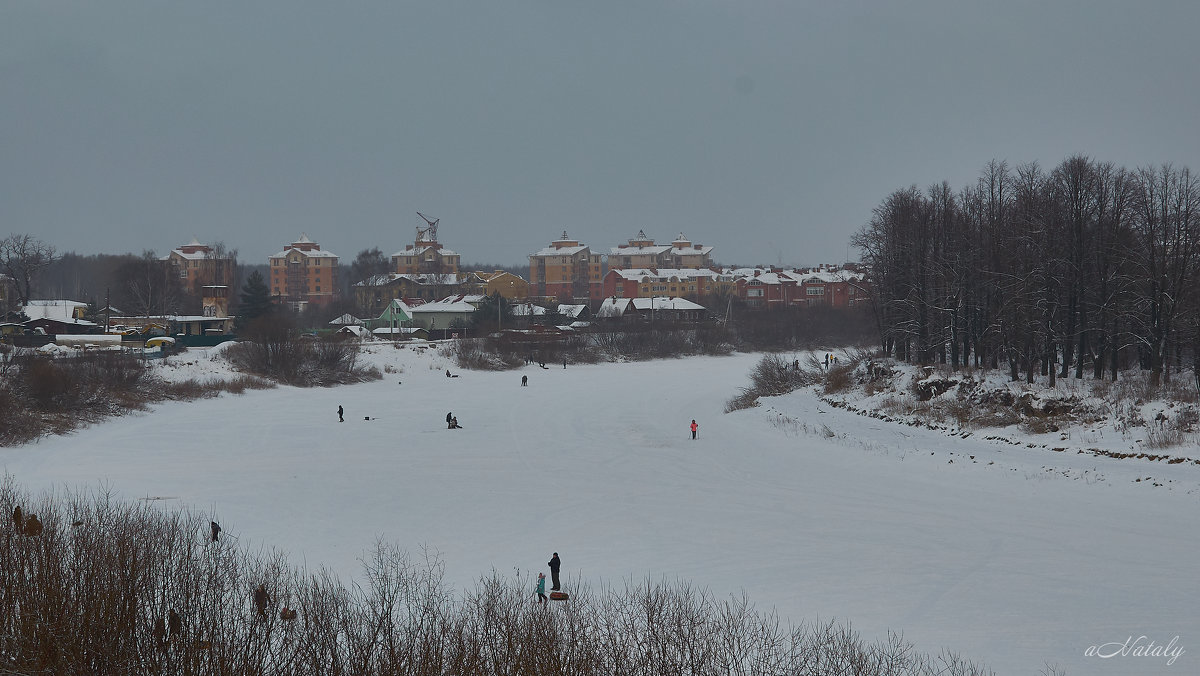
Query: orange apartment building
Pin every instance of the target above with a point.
(567, 271)
(303, 274)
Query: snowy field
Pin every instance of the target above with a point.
(1010, 556)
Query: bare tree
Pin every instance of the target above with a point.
(22, 257)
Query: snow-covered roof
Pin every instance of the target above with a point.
(572, 311)
(398, 331)
(564, 251)
(627, 250)
(443, 306)
(665, 303)
(346, 320)
(55, 310)
(422, 278)
(417, 250)
(473, 298)
(360, 331)
(640, 274)
(311, 253)
(527, 310)
(612, 307)
(694, 250)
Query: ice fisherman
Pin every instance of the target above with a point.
(340, 411)
(554, 566)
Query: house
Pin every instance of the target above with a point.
(566, 270)
(373, 294)
(508, 285)
(660, 309)
(303, 274)
(396, 314)
(574, 312)
(450, 313)
(59, 316)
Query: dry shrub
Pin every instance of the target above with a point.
(838, 379)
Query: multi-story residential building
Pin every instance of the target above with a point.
(204, 273)
(642, 252)
(425, 256)
(686, 255)
(566, 270)
(303, 274)
(646, 283)
(372, 295)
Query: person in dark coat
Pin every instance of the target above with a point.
(449, 417)
(524, 381)
(216, 530)
(261, 599)
(554, 566)
(340, 418)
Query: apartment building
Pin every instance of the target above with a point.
(303, 274)
(642, 252)
(204, 273)
(566, 271)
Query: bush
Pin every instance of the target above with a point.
(274, 349)
(98, 587)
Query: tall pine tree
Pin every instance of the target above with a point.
(255, 299)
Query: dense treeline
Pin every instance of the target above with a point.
(1086, 268)
(95, 585)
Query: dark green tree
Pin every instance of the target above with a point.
(494, 312)
(255, 299)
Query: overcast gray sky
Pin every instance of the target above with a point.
(768, 130)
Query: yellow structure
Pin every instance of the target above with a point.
(508, 285)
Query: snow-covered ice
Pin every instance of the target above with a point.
(1015, 557)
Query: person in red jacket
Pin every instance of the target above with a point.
(694, 428)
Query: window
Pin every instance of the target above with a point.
(754, 293)
(814, 291)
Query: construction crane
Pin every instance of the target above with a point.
(429, 232)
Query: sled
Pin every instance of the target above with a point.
(558, 596)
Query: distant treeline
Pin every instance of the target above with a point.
(1088, 267)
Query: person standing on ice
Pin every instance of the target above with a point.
(541, 588)
(554, 566)
(694, 428)
(449, 417)
(340, 418)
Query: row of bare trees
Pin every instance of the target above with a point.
(1088, 267)
(103, 586)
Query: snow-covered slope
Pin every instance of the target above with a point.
(1014, 557)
